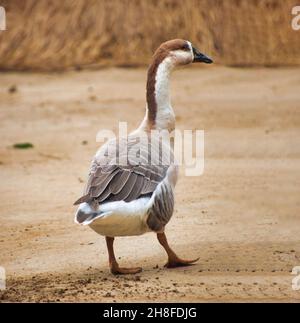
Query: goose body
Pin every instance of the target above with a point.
(128, 195)
(141, 215)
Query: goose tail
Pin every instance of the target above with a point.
(86, 214)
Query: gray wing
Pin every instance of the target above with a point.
(109, 181)
(162, 202)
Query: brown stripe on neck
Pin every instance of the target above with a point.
(161, 53)
(158, 57)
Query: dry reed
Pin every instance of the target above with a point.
(55, 35)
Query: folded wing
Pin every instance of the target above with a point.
(112, 180)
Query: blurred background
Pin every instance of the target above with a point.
(57, 35)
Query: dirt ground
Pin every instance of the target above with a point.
(241, 217)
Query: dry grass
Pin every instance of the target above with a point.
(54, 35)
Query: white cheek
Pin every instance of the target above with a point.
(183, 57)
(191, 50)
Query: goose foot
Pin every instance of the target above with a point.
(177, 262)
(113, 264)
(125, 271)
(173, 260)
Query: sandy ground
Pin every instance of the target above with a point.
(241, 217)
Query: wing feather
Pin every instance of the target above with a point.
(128, 182)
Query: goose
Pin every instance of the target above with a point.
(137, 197)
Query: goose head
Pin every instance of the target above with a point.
(180, 52)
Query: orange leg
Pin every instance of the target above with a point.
(114, 266)
(173, 259)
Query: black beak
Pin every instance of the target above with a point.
(199, 57)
